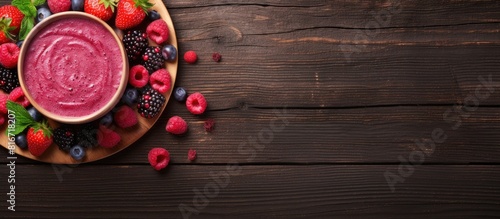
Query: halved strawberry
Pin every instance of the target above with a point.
(102, 9)
(131, 13)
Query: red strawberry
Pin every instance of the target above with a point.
(103, 9)
(10, 22)
(39, 139)
(131, 13)
(57, 6)
(16, 16)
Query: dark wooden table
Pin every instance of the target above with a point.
(324, 109)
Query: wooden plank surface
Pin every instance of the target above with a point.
(315, 191)
(357, 99)
(372, 135)
(275, 62)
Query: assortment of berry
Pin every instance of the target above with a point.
(148, 80)
(16, 21)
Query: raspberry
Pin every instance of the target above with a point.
(2, 119)
(138, 76)
(209, 125)
(176, 125)
(158, 31)
(216, 57)
(190, 57)
(158, 158)
(9, 53)
(160, 81)
(125, 117)
(196, 103)
(107, 138)
(17, 95)
(3, 103)
(57, 6)
(191, 154)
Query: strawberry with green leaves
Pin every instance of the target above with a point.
(131, 13)
(10, 22)
(39, 138)
(28, 9)
(39, 135)
(102, 9)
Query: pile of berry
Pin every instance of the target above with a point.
(149, 81)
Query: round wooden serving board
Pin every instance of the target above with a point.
(128, 136)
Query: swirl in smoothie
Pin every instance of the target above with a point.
(73, 67)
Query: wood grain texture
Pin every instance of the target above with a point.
(350, 119)
(279, 53)
(371, 135)
(316, 191)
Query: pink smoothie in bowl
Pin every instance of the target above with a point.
(73, 68)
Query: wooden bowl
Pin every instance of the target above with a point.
(98, 113)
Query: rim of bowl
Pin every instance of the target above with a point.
(66, 119)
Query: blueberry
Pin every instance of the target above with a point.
(42, 13)
(180, 94)
(106, 120)
(77, 5)
(21, 141)
(131, 96)
(153, 15)
(37, 116)
(169, 52)
(20, 43)
(77, 152)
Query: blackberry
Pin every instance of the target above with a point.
(135, 43)
(150, 103)
(87, 136)
(153, 59)
(8, 79)
(64, 137)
